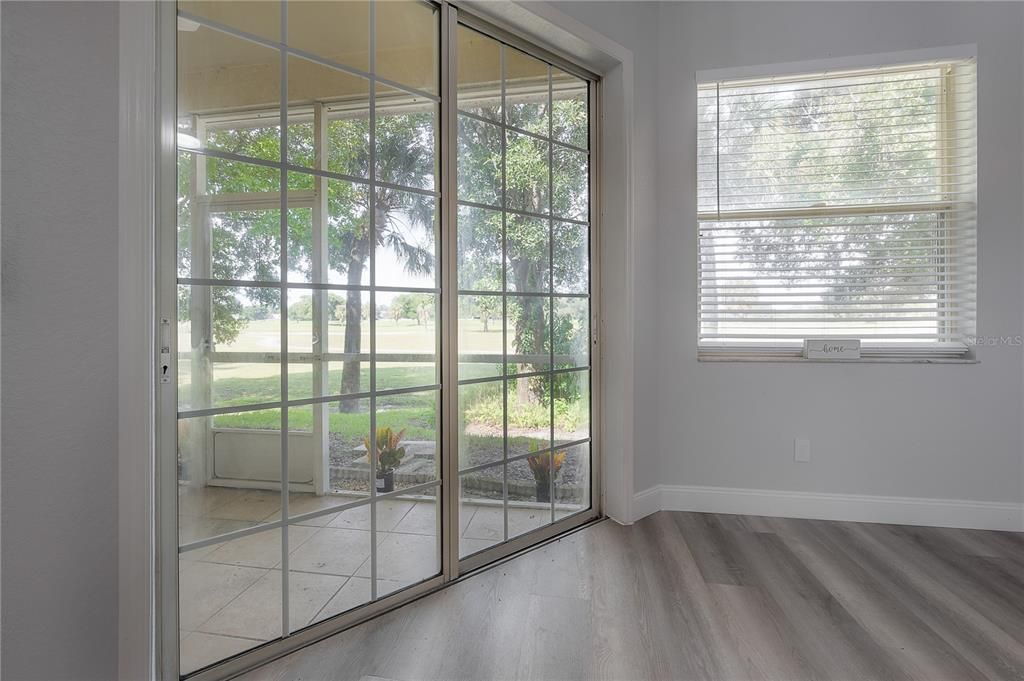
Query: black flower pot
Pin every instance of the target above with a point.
(543, 492)
(385, 482)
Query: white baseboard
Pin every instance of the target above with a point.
(984, 515)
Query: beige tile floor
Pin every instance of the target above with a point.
(230, 593)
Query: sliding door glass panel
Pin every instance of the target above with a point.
(479, 74)
(309, 391)
(527, 104)
(569, 115)
(523, 257)
(481, 509)
(308, 314)
(336, 32)
(407, 42)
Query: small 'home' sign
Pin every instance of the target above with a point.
(832, 348)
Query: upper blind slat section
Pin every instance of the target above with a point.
(884, 136)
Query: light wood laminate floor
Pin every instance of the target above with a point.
(700, 596)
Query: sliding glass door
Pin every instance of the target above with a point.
(523, 292)
(375, 316)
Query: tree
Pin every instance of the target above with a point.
(785, 143)
(246, 244)
(418, 306)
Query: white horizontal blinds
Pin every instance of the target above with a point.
(839, 204)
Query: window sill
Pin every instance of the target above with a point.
(794, 359)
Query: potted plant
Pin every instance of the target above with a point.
(389, 456)
(540, 466)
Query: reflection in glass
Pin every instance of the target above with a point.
(572, 484)
(481, 509)
(256, 17)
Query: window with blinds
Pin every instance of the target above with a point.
(839, 205)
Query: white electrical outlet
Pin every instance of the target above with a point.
(802, 450)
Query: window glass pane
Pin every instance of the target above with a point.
(219, 72)
(336, 31)
(345, 99)
(212, 447)
(259, 18)
(479, 74)
(572, 332)
(528, 334)
(407, 340)
(528, 254)
(228, 346)
(570, 115)
(569, 179)
(410, 553)
(529, 414)
(529, 494)
(406, 132)
(407, 441)
(479, 252)
(481, 509)
(480, 336)
(407, 43)
(526, 173)
(572, 483)
(406, 238)
(526, 92)
(571, 258)
(572, 406)
(481, 423)
(479, 162)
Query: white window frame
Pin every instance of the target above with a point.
(929, 352)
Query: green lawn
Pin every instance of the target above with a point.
(237, 384)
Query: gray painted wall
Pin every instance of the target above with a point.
(59, 369)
